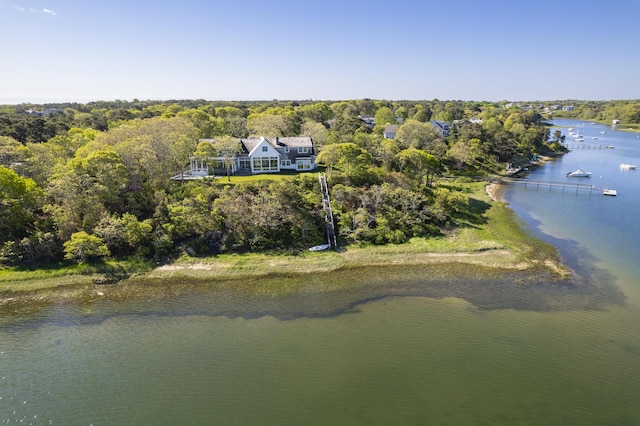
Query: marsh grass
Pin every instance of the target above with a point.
(67, 274)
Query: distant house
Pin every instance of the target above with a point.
(369, 120)
(567, 108)
(44, 113)
(441, 127)
(259, 155)
(615, 122)
(390, 131)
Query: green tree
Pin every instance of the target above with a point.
(386, 152)
(385, 116)
(348, 156)
(227, 148)
(11, 151)
(461, 153)
(82, 247)
(417, 164)
(266, 125)
(208, 125)
(205, 149)
(421, 114)
(20, 199)
(414, 134)
(166, 145)
(318, 112)
(558, 136)
(348, 122)
(317, 132)
(85, 189)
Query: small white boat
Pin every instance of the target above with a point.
(628, 166)
(579, 173)
(320, 247)
(610, 192)
(578, 139)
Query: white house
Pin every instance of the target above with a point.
(260, 155)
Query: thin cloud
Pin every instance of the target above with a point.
(32, 10)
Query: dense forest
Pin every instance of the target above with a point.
(91, 181)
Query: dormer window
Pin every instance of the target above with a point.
(304, 150)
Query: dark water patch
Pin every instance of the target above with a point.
(341, 292)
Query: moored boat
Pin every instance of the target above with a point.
(624, 166)
(579, 173)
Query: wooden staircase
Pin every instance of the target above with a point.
(328, 215)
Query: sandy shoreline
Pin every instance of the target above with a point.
(492, 190)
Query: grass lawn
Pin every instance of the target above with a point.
(233, 180)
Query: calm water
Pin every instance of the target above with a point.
(396, 360)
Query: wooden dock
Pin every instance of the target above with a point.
(537, 184)
(575, 146)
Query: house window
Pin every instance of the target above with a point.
(244, 163)
(285, 163)
(265, 149)
(303, 164)
(304, 150)
(265, 164)
(286, 149)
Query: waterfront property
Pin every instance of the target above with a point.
(259, 155)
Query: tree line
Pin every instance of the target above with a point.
(85, 181)
(627, 111)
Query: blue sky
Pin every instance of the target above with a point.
(73, 50)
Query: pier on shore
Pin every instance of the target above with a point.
(549, 184)
(575, 146)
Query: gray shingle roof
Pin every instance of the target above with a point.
(248, 144)
(278, 142)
